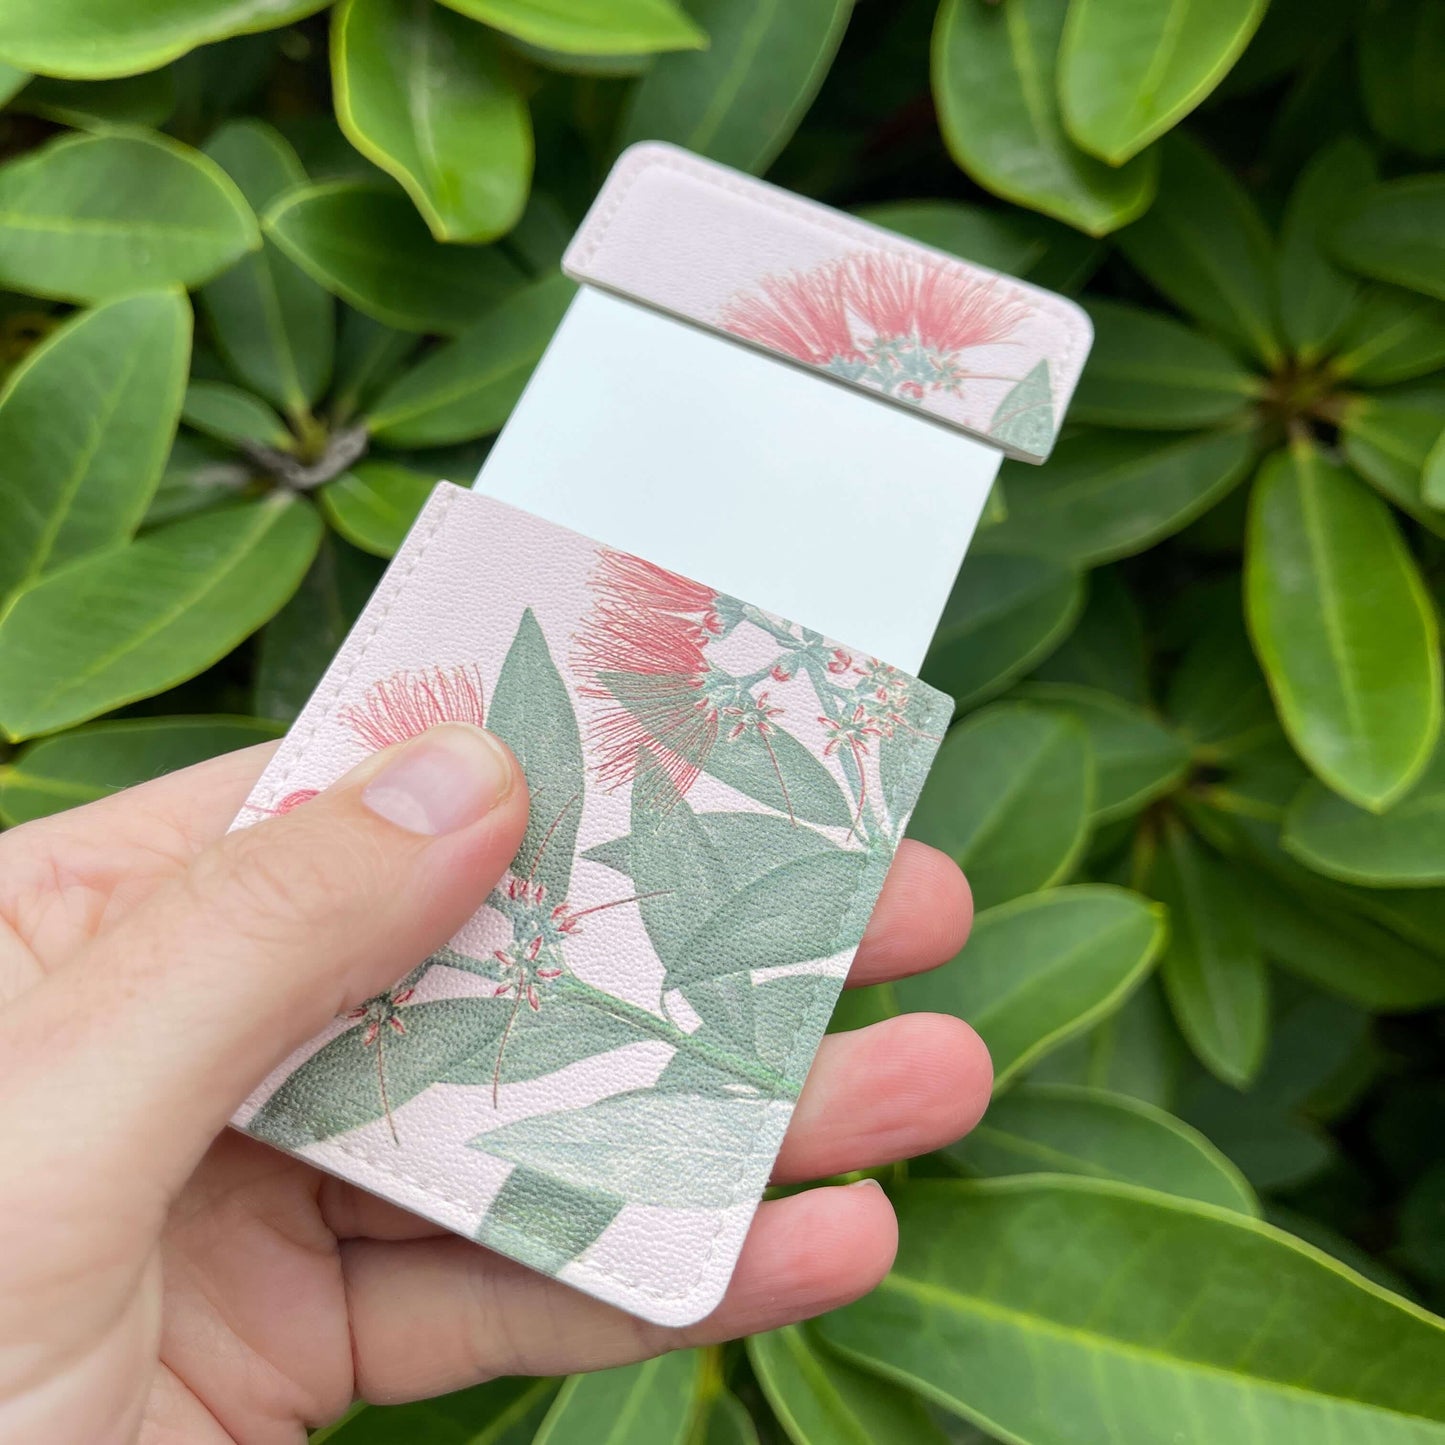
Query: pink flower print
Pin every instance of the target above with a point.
(407, 703)
(852, 733)
(803, 314)
(381, 1017)
(840, 661)
(780, 673)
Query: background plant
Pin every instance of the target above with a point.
(1195, 775)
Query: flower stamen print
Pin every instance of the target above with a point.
(381, 1015)
(406, 704)
(756, 715)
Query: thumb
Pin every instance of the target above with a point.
(143, 1047)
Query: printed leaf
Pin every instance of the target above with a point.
(1009, 799)
(433, 100)
(374, 504)
(531, 712)
(1063, 1129)
(1106, 495)
(653, 1402)
(583, 27)
(1396, 233)
(1128, 72)
(1343, 627)
(1006, 613)
(1106, 650)
(1402, 55)
(89, 39)
(1136, 759)
(501, 1412)
(1003, 1282)
(1388, 439)
(1043, 968)
(1147, 370)
(782, 773)
(229, 414)
(820, 1399)
(134, 620)
(1204, 246)
(1212, 968)
(86, 423)
(273, 324)
(740, 99)
(363, 241)
(166, 214)
(468, 387)
(88, 763)
(1025, 417)
(994, 85)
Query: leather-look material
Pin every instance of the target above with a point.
(595, 1076)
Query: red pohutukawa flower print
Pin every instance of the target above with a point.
(898, 323)
(407, 703)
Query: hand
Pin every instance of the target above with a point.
(165, 1279)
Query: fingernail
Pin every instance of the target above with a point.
(865, 1184)
(446, 779)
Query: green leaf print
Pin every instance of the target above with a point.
(1025, 417)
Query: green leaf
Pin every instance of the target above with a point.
(368, 357)
(468, 387)
(374, 504)
(363, 241)
(1402, 56)
(1316, 298)
(89, 39)
(229, 414)
(739, 100)
(1106, 650)
(1343, 627)
(1106, 495)
(820, 1399)
(501, 1412)
(134, 620)
(86, 423)
(1396, 233)
(433, 100)
(1138, 1308)
(1024, 419)
(11, 80)
(1009, 799)
(727, 1422)
(92, 762)
(648, 1404)
(87, 217)
(1217, 698)
(1275, 1148)
(1064, 1129)
(1392, 335)
(1130, 71)
(1136, 759)
(144, 100)
(1213, 971)
(994, 85)
(271, 322)
(1388, 439)
(198, 474)
(1403, 848)
(1148, 370)
(583, 27)
(1043, 968)
(1006, 613)
(1204, 246)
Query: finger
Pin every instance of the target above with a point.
(435, 1315)
(890, 1091)
(143, 1048)
(921, 919)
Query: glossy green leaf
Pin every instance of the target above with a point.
(1343, 627)
(1106, 495)
(1065, 1129)
(1009, 798)
(1043, 968)
(364, 241)
(368, 358)
(468, 387)
(86, 423)
(198, 474)
(1391, 335)
(1213, 970)
(1138, 1308)
(1402, 56)
(229, 414)
(143, 100)
(1204, 246)
(1147, 370)
(131, 621)
(273, 324)
(501, 1412)
(434, 100)
(88, 217)
(1388, 439)
(1136, 758)
(1006, 613)
(1106, 650)
(1129, 71)
(821, 1399)
(1275, 1148)
(587, 27)
(374, 504)
(92, 762)
(993, 82)
(653, 1402)
(90, 39)
(11, 80)
(1396, 233)
(739, 100)
(1217, 698)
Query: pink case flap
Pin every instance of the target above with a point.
(994, 357)
(595, 1076)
